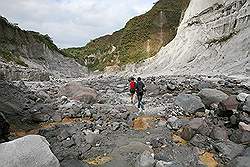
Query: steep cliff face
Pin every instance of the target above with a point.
(33, 50)
(213, 38)
(141, 38)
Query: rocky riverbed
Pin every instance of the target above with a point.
(187, 121)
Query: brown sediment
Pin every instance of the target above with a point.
(143, 122)
(46, 125)
(208, 159)
(100, 160)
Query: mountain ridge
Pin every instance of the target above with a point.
(141, 38)
(32, 50)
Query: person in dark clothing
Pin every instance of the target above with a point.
(4, 128)
(139, 91)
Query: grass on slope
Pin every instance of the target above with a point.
(142, 37)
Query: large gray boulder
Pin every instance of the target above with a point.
(242, 160)
(229, 149)
(212, 96)
(190, 103)
(28, 151)
(77, 91)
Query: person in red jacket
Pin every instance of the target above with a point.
(132, 89)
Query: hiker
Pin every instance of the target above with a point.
(139, 91)
(132, 88)
(4, 128)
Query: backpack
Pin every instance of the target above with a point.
(140, 86)
(132, 85)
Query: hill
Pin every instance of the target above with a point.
(141, 38)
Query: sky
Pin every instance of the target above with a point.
(73, 23)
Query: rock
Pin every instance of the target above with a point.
(245, 133)
(146, 159)
(64, 134)
(40, 117)
(42, 112)
(171, 87)
(178, 124)
(242, 97)
(164, 164)
(196, 123)
(4, 128)
(210, 96)
(115, 125)
(42, 95)
(200, 141)
(73, 163)
(230, 104)
(64, 98)
(190, 103)
(76, 91)
(233, 120)
(205, 129)
(241, 161)
(244, 117)
(229, 149)
(244, 127)
(91, 139)
(246, 106)
(178, 156)
(172, 119)
(68, 143)
(219, 134)
(127, 155)
(187, 133)
(56, 117)
(27, 151)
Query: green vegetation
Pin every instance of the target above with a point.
(142, 37)
(10, 57)
(16, 43)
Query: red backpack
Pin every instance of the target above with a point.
(132, 85)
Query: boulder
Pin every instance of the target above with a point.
(127, 155)
(193, 127)
(242, 160)
(178, 156)
(190, 103)
(230, 104)
(212, 96)
(196, 123)
(27, 151)
(146, 159)
(219, 134)
(242, 97)
(245, 133)
(187, 133)
(76, 91)
(246, 106)
(200, 141)
(229, 149)
(164, 164)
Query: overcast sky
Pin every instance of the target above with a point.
(73, 22)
